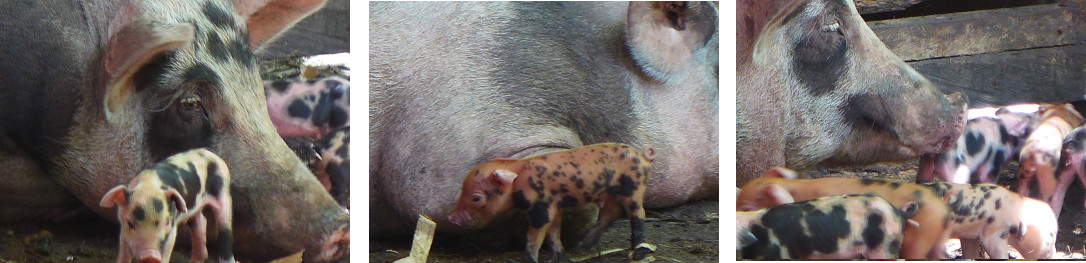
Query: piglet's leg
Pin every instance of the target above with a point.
(224, 240)
(608, 212)
(637, 228)
(553, 234)
(997, 247)
(970, 248)
(540, 218)
(199, 237)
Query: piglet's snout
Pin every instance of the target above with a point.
(149, 256)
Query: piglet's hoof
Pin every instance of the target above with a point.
(641, 251)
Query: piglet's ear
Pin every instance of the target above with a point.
(781, 172)
(663, 36)
(116, 196)
(267, 19)
(177, 200)
(132, 47)
(502, 177)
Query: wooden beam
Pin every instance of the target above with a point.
(879, 6)
(1055, 74)
(326, 31)
(980, 32)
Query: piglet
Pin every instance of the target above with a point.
(176, 190)
(1072, 164)
(1040, 156)
(987, 143)
(832, 227)
(991, 216)
(612, 175)
(334, 167)
(308, 108)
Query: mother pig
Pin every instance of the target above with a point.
(92, 92)
(454, 85)
(817, 88)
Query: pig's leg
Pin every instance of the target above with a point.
(636, 211)
(970, 248)
(224, 240)
(554, 235)
(1065, 177)
(540, 219)
(198, 224)
(996, 247)
(608, 212)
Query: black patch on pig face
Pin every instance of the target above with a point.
(520, 201)
(568, 201)
(819, 53)
(185, 123)
(873, 234)
(218, 16)
(867, 110)
(974, 142)
(538, 216)
(217, 47)
(158, 205)
(151, 74)
(214, 179)
(139, 214)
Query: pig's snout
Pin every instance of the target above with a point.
(455, 220)
(149, 256)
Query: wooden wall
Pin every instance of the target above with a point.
(997, 57)
(325, 32)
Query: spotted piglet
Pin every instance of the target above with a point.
(1040, 156)
(334, 167)
(991, 216)
(1072, 164)
(612, 175)
(986, 144)
(176, 190)
(832, 227)
(308, 108)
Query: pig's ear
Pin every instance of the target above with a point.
(664, 36)
(781, 172)
(130, 48)
(778, 195)
(266, 19)
(116, 196)
(502, 177)
(179, 201)
(1017, 124)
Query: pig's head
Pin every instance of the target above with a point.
(148, 216)
(842, 97)
(1036, 174)
(485, 194)
(766, 191)
(1036, 237)
(180, 75)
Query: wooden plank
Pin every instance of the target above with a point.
(325, 32)
(1056, 74)
(979, 32)
(879, 6)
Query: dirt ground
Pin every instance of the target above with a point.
(688, 233)
(1070, 241)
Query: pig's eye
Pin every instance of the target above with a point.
(191, 103)
(182, 125)
(835, 27)
(476, 198)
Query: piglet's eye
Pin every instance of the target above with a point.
(476, 198)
